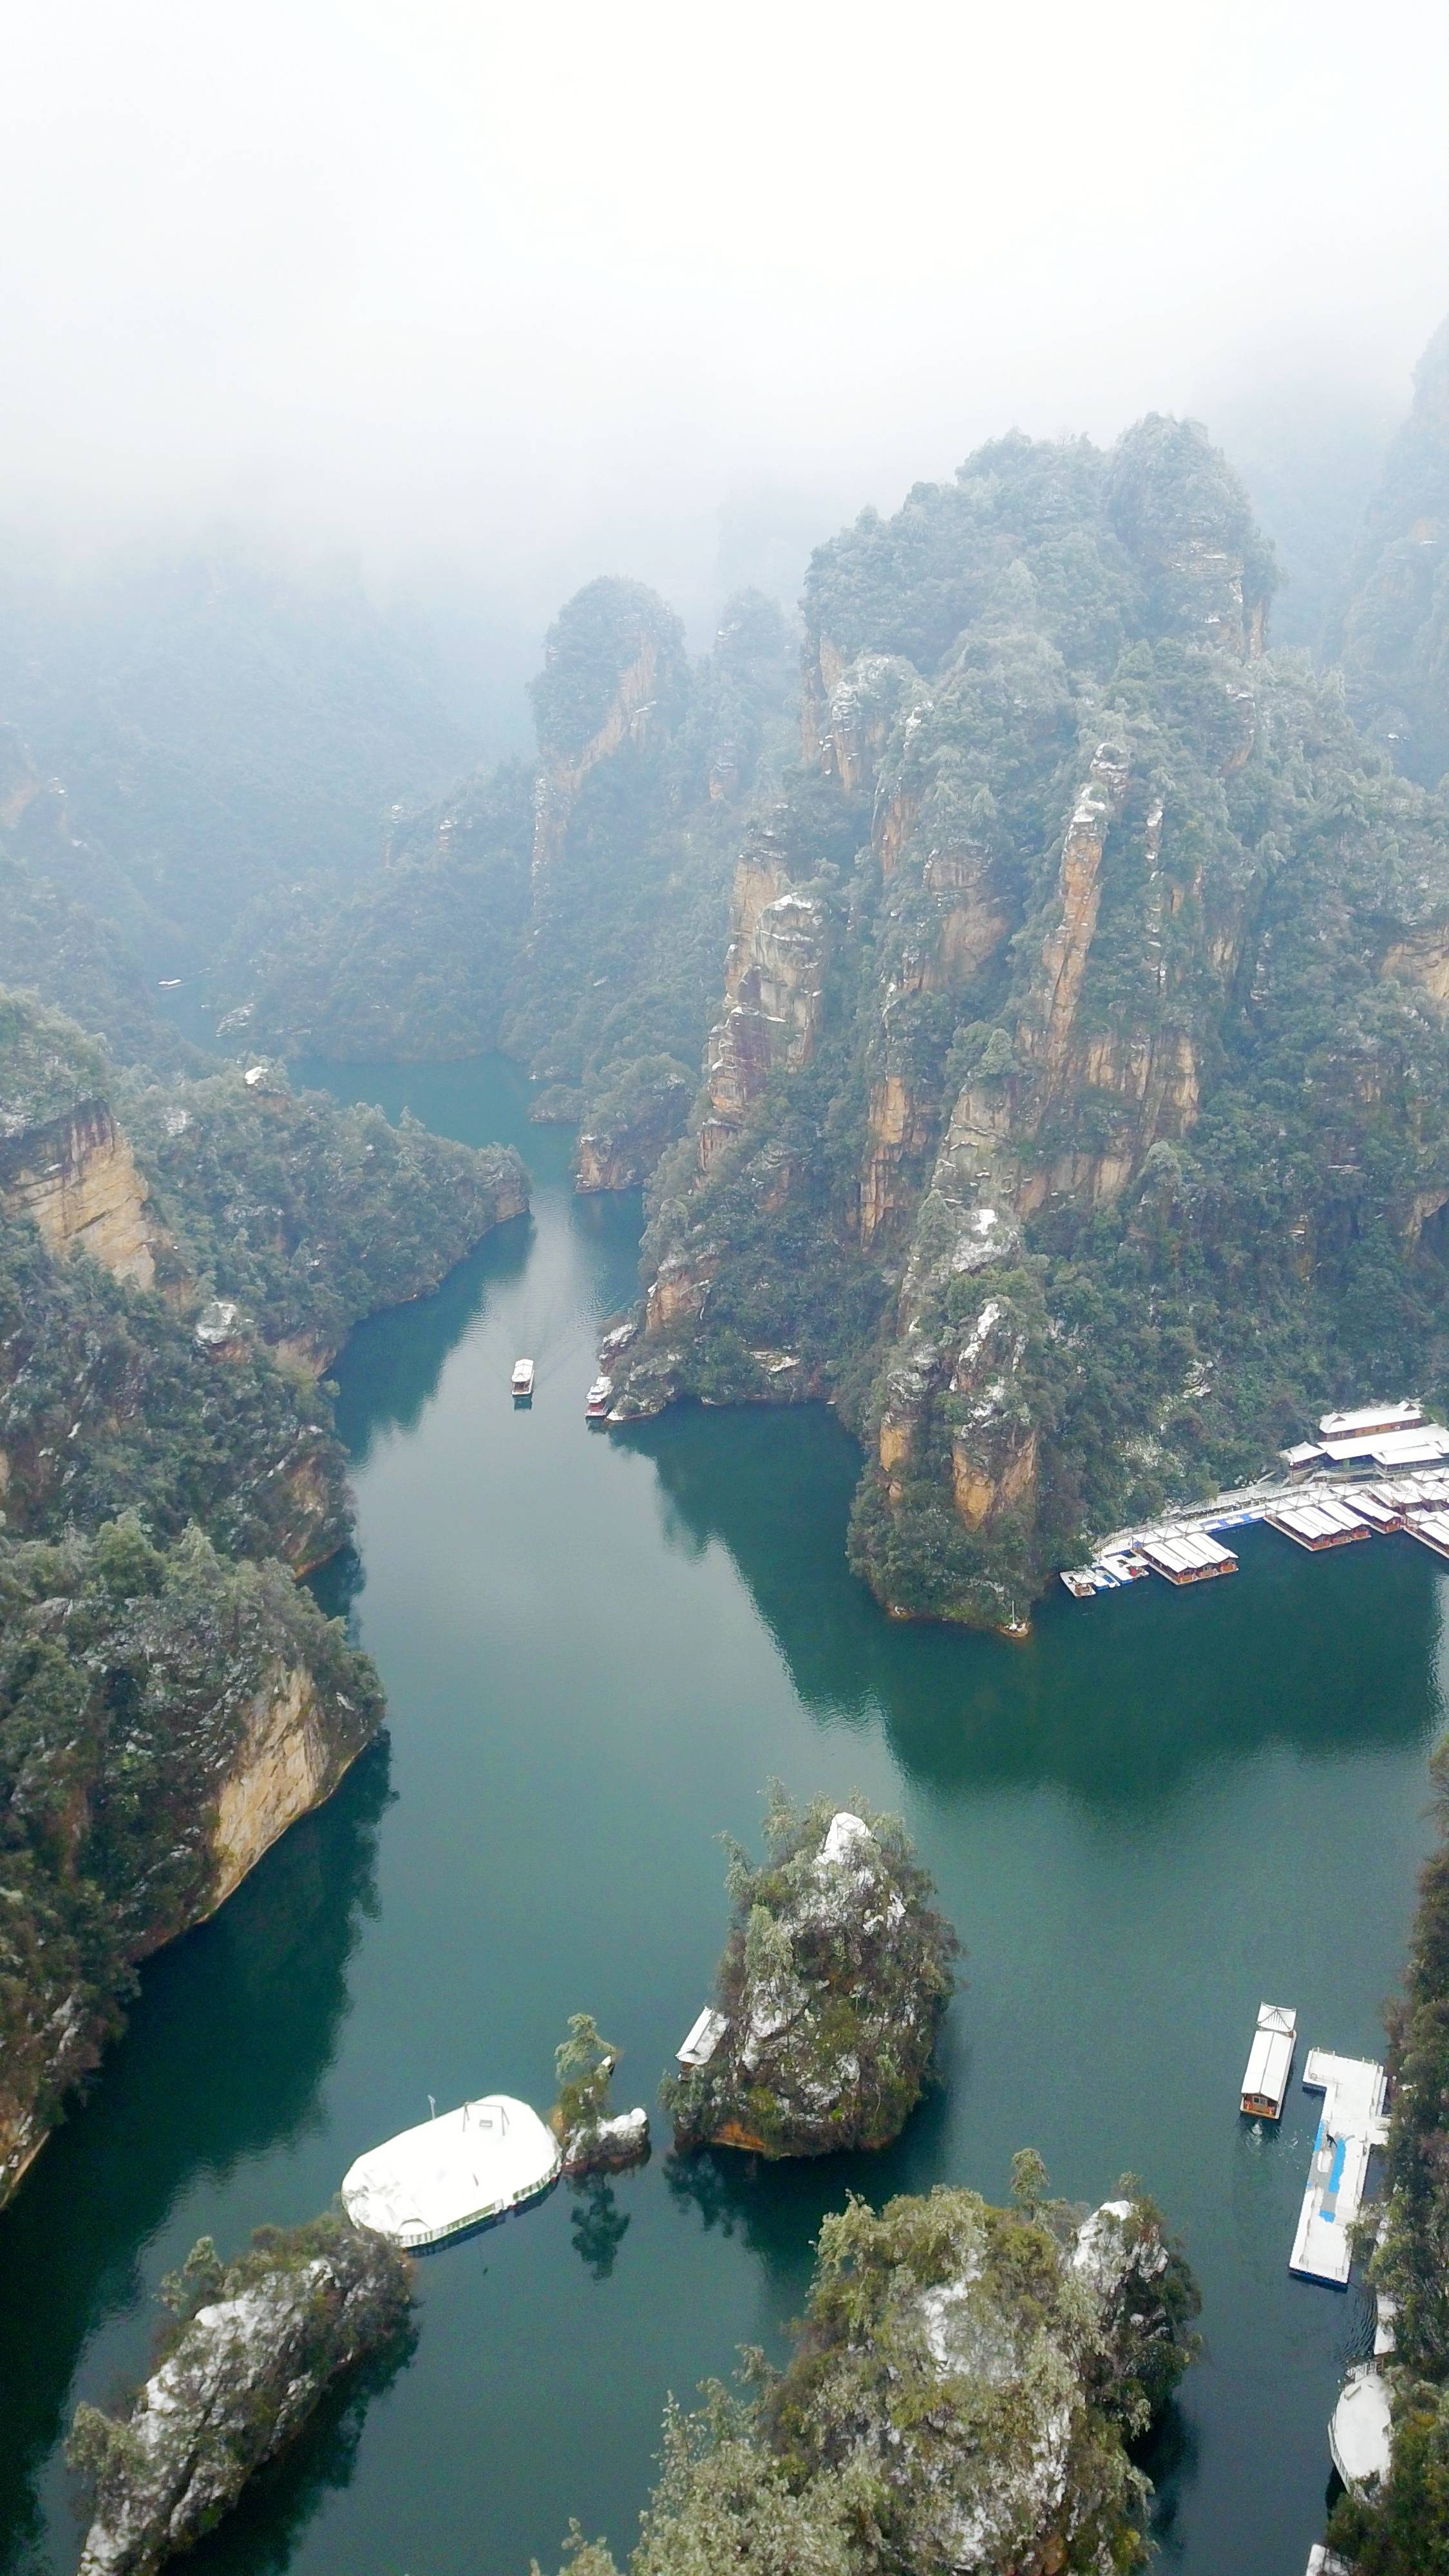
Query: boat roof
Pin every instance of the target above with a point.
(473, 2160)
(1361, 2434)
(1269, 2059)
(702, 2038)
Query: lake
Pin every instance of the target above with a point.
(597, 1649)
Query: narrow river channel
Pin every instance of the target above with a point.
(596, 1652)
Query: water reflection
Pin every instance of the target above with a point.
(598, 2225)
(231, 2036)
(1121, 1700)
(395, 1360)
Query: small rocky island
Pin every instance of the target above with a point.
(834, 1979)
(255, 2345)
(592, 2138)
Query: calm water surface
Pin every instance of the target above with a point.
(596, 1651)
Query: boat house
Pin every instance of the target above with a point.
(473, 2164)
(1370, 1417)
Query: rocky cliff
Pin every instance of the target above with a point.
(258, 2343)
(573, 914)
(1074, 880)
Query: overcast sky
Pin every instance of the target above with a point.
(547, 284)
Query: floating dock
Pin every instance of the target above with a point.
(1270, 2062)
(1369, 1473)
(1351, 2126)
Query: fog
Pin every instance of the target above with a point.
(504, 297)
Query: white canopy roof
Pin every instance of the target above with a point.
(452, 2172)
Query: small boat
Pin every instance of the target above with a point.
(596, 1402)
(1270, 2062)
(522, 1381)
(448, 2174)
(169, 984)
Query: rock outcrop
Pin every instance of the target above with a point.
(830, 1993)
(632, 1124)
(991, 2368)
(76, 1179)
(244, 2372)
(1058, 967)
(613, 673)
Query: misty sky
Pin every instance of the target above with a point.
(545, 286)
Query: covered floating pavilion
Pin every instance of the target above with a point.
(1323, 1522)
(1351, 2126)
(1189, 1556)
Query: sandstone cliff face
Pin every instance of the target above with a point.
(76, 1179)
(775, 976)
(629, 719)
(640, 1115)
(289, 1759)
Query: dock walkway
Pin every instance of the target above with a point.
(1351, 2126)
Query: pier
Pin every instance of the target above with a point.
(1351, 2126)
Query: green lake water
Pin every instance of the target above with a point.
(597, 1649)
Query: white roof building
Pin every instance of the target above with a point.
(1370, 1417)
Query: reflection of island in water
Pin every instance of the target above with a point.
(233, 2029)
(1119, 1699)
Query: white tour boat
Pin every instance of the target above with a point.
(597, 1401)
(458, 2171)
(522, 1380)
